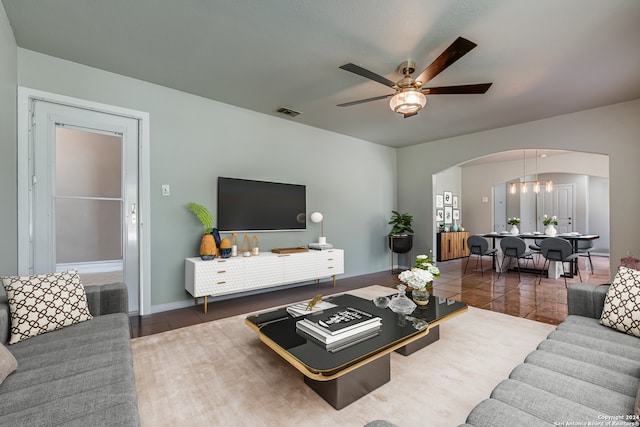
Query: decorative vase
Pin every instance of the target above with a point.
(420, 296)
(550, 230)
(514, 230)
(400, 303)
(208, 247)
(455, 227)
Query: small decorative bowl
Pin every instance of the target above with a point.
(381, 302)
(225, 252)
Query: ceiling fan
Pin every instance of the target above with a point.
(409, 97)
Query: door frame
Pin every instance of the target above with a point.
(24, 121)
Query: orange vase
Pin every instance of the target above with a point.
(208, 247)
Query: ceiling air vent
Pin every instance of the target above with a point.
(288, 111)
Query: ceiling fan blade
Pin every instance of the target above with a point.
(457, 90)
(367, 74)
(362, 101)
(455, 51)
(406, 116)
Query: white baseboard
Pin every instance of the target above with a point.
(92, 267)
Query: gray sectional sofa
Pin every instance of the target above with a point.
(582, 374)
(80, 375)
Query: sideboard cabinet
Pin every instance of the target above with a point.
(222, 276)
(452, 245)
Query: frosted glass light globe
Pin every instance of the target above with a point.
(316, 217)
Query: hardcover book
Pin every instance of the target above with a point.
(340, 320)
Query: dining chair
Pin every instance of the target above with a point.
(559, 250)
(584, 249)
(535, 247)
(479, 247)
(514, 247)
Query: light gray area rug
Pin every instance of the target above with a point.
(220, 374)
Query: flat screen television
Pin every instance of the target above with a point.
(248, 205)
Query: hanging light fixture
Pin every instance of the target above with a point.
(513, 188)
(409, 101)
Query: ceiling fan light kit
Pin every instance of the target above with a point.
(409, 101)
(410, 94)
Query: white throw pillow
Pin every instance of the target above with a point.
(621, 309)
(44, 303)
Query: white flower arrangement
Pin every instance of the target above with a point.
(553, 220)
(417, 278)
(514, 221)
(425, 262)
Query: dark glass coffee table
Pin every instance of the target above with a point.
(344, 376)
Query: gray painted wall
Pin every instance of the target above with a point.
(8, 171)
(612, 130)
(194, 140)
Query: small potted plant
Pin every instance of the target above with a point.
(208, 247)
(400, 239)
(514, 222)
(549, 222)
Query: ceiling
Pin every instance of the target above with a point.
(544, 57)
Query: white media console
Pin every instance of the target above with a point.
(222, 276)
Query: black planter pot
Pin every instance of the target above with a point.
(401, 244)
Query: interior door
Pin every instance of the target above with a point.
(84, 195)
(500, 207)
(560, 203)
(563, 207)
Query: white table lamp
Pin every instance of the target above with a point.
(317, 217)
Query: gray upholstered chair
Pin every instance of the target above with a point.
(559, 250)
(535, 247)
(514, 247)
(584, 249)
(479, 247)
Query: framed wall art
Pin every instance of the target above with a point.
(456, 214)
(439, 215)
(448, 215)
(455, 202)
(448, 198)
(439, 201)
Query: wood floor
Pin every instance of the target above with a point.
(546, 302)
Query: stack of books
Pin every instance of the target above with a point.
(339, 327)
(305, 308)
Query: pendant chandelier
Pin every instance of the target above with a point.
(524, 185)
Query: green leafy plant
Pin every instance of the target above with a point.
(550, 220)
(401, 223)
(514, 221)
(203, 215)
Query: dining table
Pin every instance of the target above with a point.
(573, 237)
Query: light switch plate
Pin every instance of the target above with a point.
(166, 190)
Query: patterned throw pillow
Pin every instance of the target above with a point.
(622, 304)
(44, 303)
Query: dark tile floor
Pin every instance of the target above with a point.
(546, 302)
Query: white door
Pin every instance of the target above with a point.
(564, 207)
(561, 204)
(84, 194)
(500, 207)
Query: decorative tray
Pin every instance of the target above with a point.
(289, 250)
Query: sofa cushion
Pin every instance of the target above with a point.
(622, 304)
(577, 390)
(81, 375)
(44, 303)
(8, 363)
